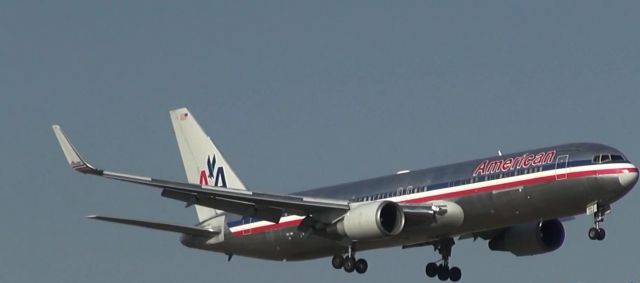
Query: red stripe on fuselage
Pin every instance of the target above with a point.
(267, 227)
(528, 182)
(533, 181)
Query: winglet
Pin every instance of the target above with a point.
(73, 157)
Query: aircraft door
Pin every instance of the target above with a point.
(246, 220)
(561, 166)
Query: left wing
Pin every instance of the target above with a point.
(270, 207)
(195, 231)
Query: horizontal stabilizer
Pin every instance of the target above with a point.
(159, 226)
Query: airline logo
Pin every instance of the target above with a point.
(525, 161)
(213, 175)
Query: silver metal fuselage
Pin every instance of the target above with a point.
(490, 200)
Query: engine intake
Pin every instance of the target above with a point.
(530, 239)
(372, 220)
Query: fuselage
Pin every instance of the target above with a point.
(495, 192)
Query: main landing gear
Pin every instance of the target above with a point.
(349, 262)
(599, 211)
(442, 270)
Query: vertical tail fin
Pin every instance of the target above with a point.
(203, 162)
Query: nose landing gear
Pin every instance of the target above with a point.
(598, 211)
(442, 270)
(596, 233)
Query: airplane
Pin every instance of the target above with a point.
(516, 202)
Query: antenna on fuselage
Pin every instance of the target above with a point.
(499, 153)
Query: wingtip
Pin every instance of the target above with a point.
(70, 153)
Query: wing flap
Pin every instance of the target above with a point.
(159, 226)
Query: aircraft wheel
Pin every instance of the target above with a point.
(349, 264)
(443, 272)
(337, 261)
(455, 274)
(593, 233)
(601, 234)
(431, 269)
(361, 266)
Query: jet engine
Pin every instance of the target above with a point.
(530, 239)
(372, 220)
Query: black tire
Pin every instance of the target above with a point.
(349, 264)
(361, 266)
(593, 233)
(337, 261)
(601, 234)
(455, 274)
(431, 269)
(443, 272)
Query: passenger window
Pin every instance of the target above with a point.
(605, 158)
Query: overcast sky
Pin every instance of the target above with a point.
(297, 95)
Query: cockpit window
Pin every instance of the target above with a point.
(606, 157)
(615, 157)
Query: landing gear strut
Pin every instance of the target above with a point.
(442, 270)
(599, 211)
(349, 262)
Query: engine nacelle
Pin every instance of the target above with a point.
(372, 220)
(530, 239)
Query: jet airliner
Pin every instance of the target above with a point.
(514, 201)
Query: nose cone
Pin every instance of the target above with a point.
(628, 180)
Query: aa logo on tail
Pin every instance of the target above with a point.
(213, 175)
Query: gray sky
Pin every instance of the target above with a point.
(299, 94)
